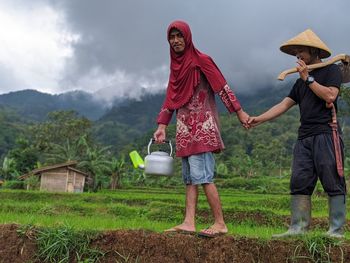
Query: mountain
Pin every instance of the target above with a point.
(142, 113)
(122, 123)
(135, 118)
(127, 121)
(82, 102)
(35, 105)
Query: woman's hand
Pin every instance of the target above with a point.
(160, 134)
(243, 118)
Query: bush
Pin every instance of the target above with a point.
(261, 184)
(32, 183)
(13, 185)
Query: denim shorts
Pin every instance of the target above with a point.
(198, 168)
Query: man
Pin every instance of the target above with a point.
(314, 153)
(194, 79)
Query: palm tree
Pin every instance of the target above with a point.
(64, 153)
(9, 168)
(117, 169)
(96, 163)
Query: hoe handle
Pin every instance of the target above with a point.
(343, 57)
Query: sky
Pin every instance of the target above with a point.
(118, 48)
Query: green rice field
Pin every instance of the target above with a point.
(246, 214)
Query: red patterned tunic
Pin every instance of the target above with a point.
(197, 122)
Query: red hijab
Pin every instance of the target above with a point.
(185, 70)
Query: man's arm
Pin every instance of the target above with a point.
(328, 94)
(272, 113)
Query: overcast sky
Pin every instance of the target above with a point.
(118, 48)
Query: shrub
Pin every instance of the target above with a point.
(13, 185)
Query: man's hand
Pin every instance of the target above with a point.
(160, 134)
(253, 121)
(302, 69)
(243, 118)
(329, 105)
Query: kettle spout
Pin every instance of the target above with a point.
(136, 160)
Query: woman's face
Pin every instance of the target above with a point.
(177, 41)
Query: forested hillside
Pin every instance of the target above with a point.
(101, 147)
(11, 126)
(34, 105)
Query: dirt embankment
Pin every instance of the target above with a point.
(145, 246)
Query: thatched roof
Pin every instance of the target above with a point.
(70, 166)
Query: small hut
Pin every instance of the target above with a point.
(60, 178)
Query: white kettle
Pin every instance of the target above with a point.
(159, 162)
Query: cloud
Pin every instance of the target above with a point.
(121, 84)
(35, 45)
(118, 48)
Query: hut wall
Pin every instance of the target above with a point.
(54, 181)
(62, 170)
(75, 182)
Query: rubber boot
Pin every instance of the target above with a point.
(337, 216)
(300, 217)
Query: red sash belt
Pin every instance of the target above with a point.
(336, 142)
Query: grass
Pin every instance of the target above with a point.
(319, 249)
(64, 223)
(248, 214)
(63, 243)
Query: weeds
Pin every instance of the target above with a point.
(125, 259)
(319, 249)
(60, 244)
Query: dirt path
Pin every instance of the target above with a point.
(145, 246)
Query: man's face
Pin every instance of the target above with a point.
(303, 53)
(177, 41)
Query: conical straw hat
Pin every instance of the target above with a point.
(306, 38)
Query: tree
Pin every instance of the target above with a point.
(69, 151)
(8, 169)
(96, 163)
(23, 157)
(60, 127)
(117, 169)
(11, 126)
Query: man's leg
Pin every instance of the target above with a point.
(332, 183)
(337, 216)
(302, 184)
(215, 205)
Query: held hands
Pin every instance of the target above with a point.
(243, 118)
(248, 121)
(254, 121)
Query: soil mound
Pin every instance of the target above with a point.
(146, 246)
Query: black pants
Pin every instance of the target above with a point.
(313, 158)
